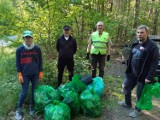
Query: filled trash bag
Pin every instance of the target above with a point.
(90, 102)
(78, 85)
(43, 95)
(97, 85)
(74, 85)
(63, 89)
(87, 79)
(145, 101)
(156, 90)
(57, 111)
(71, 98)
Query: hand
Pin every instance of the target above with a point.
(108, 58)
(147, 81)
(87, 56)
(40, 75)
(20, 77)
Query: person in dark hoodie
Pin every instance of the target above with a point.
(66, 46)
(29, 68)
(142, 64)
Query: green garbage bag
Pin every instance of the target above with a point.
(43, 95)
(156, 90)
(71, 98)
(90, 102)
(57, 111)
(79, 86)
(97, 85)
(74, 85)
(66, 87)
(145, 101)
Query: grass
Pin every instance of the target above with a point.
(10, 87)
(8, 81)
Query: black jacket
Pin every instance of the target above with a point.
(66, 48)
(151, 61)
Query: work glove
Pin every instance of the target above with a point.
(87, 56)
(20, 77)
(108, 58)
(40, 75)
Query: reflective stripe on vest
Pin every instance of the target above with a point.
(99, 43)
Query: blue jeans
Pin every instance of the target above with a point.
(26, 80)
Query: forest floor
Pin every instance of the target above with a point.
(112, 94)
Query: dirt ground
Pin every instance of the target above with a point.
(120, 113)
(113, 111)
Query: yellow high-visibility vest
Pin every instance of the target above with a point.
(99, 43)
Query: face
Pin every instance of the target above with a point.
(142, 35)
(66, 32)
(28, 40)
(100, 26)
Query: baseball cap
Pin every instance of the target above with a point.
(27, 33)
(66, 27)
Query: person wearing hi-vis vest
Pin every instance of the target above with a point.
(98, 48)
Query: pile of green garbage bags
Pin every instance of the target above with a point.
(71, 98)
(150, 90)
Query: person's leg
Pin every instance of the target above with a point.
(101, 61)
(70, 67)
(61, 65)
(94, 65)
(22, 97)
(24, 91)
(34, 81)
(128, 84)
(140, 86)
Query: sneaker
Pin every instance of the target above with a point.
(135, 113)
(122, 103)
(18, 114)
(32, 111)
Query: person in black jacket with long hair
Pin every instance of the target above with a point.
(142, 64)
(66, 46)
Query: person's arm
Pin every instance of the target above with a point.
(40, 60)
(18, 65)
(108, 49)
(153, 65)
(89, 45)
(57, 45)
(75, 46)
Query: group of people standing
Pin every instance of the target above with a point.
(141, 66)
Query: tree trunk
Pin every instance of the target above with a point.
(136, 15)
(155, 22)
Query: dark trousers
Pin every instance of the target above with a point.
(100, 59)
(128, 84)
(62, 62)
(26, 80)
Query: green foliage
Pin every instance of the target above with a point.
(9, 83)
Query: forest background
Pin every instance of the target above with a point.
(46, 19)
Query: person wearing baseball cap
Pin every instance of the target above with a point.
(66, 46)
(29, 68)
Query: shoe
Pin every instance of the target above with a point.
(18, 114)
(135, 113)
(32, 111)
(122, 103)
